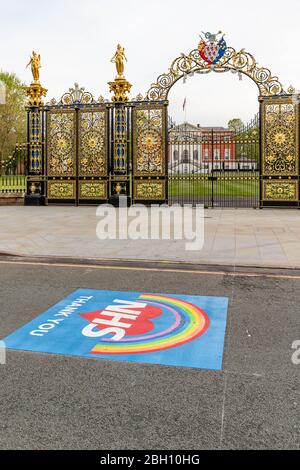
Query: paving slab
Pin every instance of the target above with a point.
(232, 236)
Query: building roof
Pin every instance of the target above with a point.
(187, 126)
(216, 129)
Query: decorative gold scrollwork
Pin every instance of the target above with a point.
(280, 139)
(241, 61)
(149, 141)
(149, 190)
(92, 190)
(61, 189)
(61, 143)
(92, 142)
(280, 190)
(75, 95)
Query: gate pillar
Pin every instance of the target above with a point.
(120, 181)
(279, 185)
(35, 193)
(120, 167)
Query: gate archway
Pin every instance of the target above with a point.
(277, 177)
(242, 62)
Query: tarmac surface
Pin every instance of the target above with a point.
(60, 402)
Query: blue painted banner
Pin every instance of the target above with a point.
(177, 330)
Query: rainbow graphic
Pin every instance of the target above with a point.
(168, 329)
(190, 323)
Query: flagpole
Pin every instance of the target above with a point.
(184, 109)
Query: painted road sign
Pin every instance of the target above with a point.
(176, 330)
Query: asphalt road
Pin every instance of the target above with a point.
(58, 402)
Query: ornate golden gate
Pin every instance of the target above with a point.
(280, 150)
(89, 152)
(150, 152)
(85, 151)
(76, 149)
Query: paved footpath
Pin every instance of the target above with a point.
(49, 401)
(245, 237)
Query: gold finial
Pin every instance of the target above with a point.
(120, 87)
(35, 91)
(35, 62)
(291, 90)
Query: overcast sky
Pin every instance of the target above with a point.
(77, 38)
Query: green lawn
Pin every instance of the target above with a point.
(233, 184)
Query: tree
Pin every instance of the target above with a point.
(246, 138)
(12, 116)
(235, 124)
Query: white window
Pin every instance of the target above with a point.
(217, 154)
(206, 154)
(185, 156)
(227, 154)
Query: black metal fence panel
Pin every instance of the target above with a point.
(216, 167)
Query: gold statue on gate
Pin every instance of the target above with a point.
(120, 87)
(35, 91)
(119, 59)
(35, 62)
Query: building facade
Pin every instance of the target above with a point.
(185, 149)
(196, 149)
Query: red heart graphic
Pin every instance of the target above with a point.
(141, 325)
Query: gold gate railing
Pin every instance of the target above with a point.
(83, 150)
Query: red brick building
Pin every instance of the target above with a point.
(218, 145)
(196, 149)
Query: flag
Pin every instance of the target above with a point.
(184, 104)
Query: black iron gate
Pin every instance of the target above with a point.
(216, 167)
(83, 151)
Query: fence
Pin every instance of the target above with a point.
(13, 172)
(216, 167)
(13, 184)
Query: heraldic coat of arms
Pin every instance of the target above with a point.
(213, 49)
